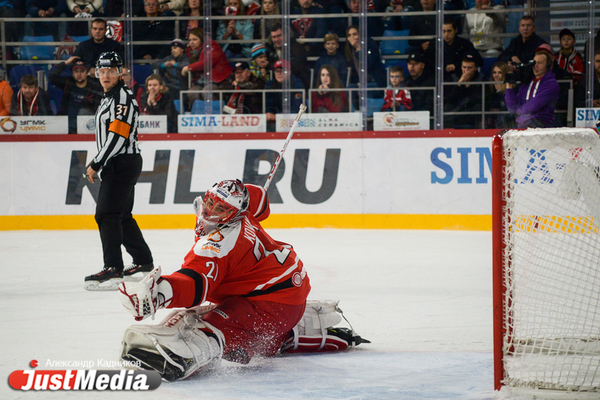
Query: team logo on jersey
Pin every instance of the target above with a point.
(297, 279)
(216, 237)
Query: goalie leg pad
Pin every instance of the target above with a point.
(178, 347)
(315, 332)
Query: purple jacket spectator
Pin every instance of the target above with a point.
(534, 103)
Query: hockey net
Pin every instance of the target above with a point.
(546, 217)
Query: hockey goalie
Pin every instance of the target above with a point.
(256, 288)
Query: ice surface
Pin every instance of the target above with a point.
(424, 299)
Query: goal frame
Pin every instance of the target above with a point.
(498, 234)
(501, 265)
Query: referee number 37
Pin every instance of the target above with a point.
(121, 109)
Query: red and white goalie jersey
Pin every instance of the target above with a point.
(241, 260)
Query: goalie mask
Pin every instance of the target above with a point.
(224, 204)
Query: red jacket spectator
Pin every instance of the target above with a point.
(221, 69)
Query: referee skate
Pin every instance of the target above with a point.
(109, 278)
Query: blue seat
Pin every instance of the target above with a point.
(199, 107)
(37, 52)
(56, 95)
(486, 69)
(390, 47)
(177, 104)
(80, 38)
(141, 72)
(512, 24)
(373, 105)
(18, 71)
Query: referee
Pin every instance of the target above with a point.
(121, 164)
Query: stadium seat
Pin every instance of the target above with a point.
(373, 105)
(141, 72)
(18, 71)
(56, 95)
(512, 24)
(80, 38)
(177, 105)
(391, 47)
(37, 52)
(486, 69)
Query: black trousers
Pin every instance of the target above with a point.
(113, 212)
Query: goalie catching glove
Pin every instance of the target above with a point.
(144, 298)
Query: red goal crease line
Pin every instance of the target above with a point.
(555, 224)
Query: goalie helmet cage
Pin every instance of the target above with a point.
(546, 262)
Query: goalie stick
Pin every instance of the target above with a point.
(285, 145)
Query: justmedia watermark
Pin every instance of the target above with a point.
(81, 375)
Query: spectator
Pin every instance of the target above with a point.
(567, 58)
(419, 76)
(323, 100)
(581, 90)
(259, 66)
(173, 6)
(6, 94)
(374, 24)
(243, 102)
(30, 100)
(495, 99)
(331, 56)
(12, 9)
(393, 21)
(81, 93)
(533, 103)
(271, 8)
(309, 28)
(486, 28)
(376, 74)
(132, 85)
(236, 29)
(396, 98)
(298, 56)
(116, 8)
(157, 100)
(89, 50)
(455, 47)
(83, 9)
(170, 68)
(282, 70)
(465, 96)
(424, 25)
(522, 48)
(46, 9)
(221, 69)
(194, 9)
(153, 30)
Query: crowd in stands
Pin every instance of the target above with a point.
(246, 57)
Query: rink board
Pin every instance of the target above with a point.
(416, 180)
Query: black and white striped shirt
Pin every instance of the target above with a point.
(116, 125)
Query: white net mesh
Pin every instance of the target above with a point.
(552, 259)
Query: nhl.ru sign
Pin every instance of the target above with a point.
(222, 123)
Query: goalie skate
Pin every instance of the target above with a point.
(137, 272)
(107, 279)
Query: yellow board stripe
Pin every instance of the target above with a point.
(339, 221)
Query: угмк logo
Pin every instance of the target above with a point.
(83, 379)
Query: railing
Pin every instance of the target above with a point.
(437, 116)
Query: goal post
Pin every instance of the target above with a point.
(546, 260)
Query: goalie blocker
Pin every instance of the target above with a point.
(184, 343)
